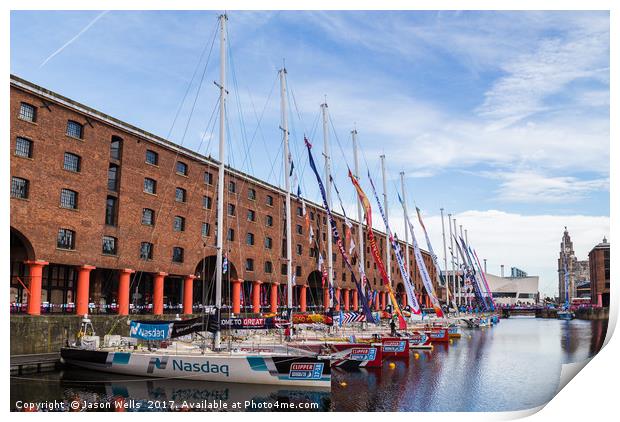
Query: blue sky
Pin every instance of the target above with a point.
(502, 118)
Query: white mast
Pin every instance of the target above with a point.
(220, 179)
(405, 214)
(388, 253)
(360, 227)
(445, 260)
(330, 271)
(287, 184)
(467, 293)
(455, 250)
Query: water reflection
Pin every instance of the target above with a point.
(141, 394)
(515, 365)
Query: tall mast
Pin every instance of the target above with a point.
(445, 259)
(330, 272)
(287, 184)
(360, 227)
(405, 214)
(453, 252)
(467, 299)
(388, 253)
(457, 264)
(220, 179)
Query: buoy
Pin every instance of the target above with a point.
(343, 384)
(392, 365)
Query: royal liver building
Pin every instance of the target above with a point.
(578, 271)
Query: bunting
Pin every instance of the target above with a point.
(336, 235)
(374, 249)
(419, 260)
(409, 287)
(484, 279)
(442, 280)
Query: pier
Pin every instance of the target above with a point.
(22, 364)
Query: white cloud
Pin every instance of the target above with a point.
(529, 242)
(531, 186)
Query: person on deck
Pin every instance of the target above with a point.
(393, 327)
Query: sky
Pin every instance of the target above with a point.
(501, 118)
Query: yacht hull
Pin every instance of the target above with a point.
(302, 371)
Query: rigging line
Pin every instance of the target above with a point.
(139, 278)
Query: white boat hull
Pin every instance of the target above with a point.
(299, 371)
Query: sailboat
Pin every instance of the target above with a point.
(275, 366)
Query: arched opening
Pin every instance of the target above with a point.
(21, 250)
(315, 291)
(204, 286)
(400, 295)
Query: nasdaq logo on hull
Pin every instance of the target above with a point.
(205, 367)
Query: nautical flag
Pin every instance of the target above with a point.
(290, 159)
(311, 236)
(336, 234)
(351, 246)
(298, 191)
(320, 261)
(225, 264)
(375, 250)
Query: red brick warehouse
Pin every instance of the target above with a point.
(106, 217)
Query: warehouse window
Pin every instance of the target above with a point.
(249, 264)
(66, 239)
(152, 157)
(230, 236)
(19, 187)
(150, 185)
(251, 215)
(109, 245)
(251, 194)
(23, 147)
(148, 216)
(74, 129)
(206, 229)
(270, 200)
(177, 254)
(231, 210)
(115, 147)
(113, 172)
(208, 178)
(206, 202)
(68, 199)
(268, 242)
(181, 168)
(179, 223)
(232, 187)
(268, 267)
(111, 211)
(249, 239)
(28, 112)
(146, 250)
(269, 221)
(180, 195)
(72, 162)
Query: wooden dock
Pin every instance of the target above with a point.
(21, 364)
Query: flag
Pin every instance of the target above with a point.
(290, 159)
(311, 236)
(351, 246)
(298, 191)
(225, 264)
(320, 261)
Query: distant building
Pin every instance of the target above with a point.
(517, 273)
(578, 271)
(514, 290)
(599, 273)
